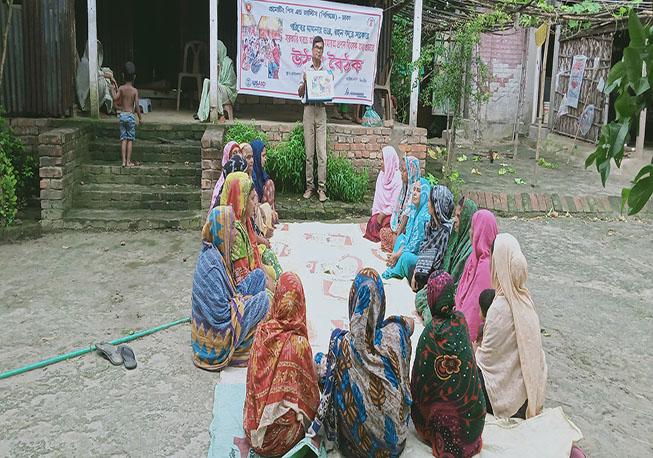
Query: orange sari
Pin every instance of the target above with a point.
(282, 390)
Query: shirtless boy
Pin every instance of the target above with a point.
(128, 95)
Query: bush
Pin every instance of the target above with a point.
(18, 174)
(8, 199)
(286, 164)
(244, 133)
(287, 167)
(343, 182)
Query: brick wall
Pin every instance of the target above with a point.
(29, 129)
(211, 162)
(61, 152)
(503, 53)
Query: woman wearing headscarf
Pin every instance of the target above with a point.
(236, 164)
(409, 169)
(366, 395)
(386, 193)
(105, 81)
(476, 276)
(436, 237)
(240, 194)
(226, 88)
(511, 359)
(282, 391)
(448, 403)
(262, 182)
(460, 244)
(404, 255)
(224, 316)
(231, 149)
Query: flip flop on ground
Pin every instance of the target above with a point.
(110, 352)
(128, 356)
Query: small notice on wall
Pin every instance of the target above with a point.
(576, 80)
(540, 35)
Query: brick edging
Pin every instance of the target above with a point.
(526, 204)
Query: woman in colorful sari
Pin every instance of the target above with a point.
(231, 149)
(404, 255)
(476, 276)
(436, 237)
(282, 391)
(460, 245)
(226, 88)
(236, 164)
(224, 316)
(386, 193)
(366, 396)
(448, 403)
(511, 359)
(409, 169)
(264, 185)
(240, 194)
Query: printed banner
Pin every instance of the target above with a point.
(275, 42)
(576, 80)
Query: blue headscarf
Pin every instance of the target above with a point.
(418, 218)
(259, 175)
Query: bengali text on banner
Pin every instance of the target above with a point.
(275, 42)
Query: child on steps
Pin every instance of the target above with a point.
(128, 95)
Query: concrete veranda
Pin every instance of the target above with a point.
(63, 291)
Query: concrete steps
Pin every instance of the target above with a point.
(156, 174)
(162, 192)
(114, 220)
(146, 151)
(125, 197)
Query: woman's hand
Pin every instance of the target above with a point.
(392, 259)
(413, 283)
(267, 243)
(379, 218)
(411, 324)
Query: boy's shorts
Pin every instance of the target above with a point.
(127, 126)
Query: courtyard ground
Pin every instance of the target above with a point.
(64, 291)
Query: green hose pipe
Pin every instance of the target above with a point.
(74, 354)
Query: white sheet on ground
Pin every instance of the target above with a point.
(327, 257)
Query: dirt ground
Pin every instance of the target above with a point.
(591, 282)
(569, 176)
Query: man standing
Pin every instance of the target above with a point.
(314, 127)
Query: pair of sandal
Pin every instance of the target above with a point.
(122, 354)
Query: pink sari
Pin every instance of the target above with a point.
(226, 154)
(476, 277)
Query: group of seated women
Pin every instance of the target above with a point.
(361, 395)
(236, 271)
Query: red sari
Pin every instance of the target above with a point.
(282, 391)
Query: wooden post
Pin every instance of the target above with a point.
(4, 43)
(92, 59)
(540, 105)
(414, 80)
(213, 59)
(639, 143)
(554, 72)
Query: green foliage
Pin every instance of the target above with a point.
(453, 181)
(343, 182)
(635, 94)
(545, 164)
(286, 164)
(244, 133)
(8, 199)
(402, 49)
(433, 181)
(18, 174)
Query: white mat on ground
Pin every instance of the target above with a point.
(327, 257)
